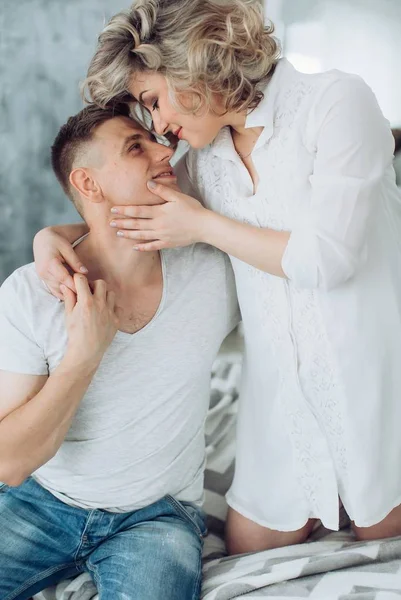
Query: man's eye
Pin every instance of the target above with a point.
(135, 147)
(155, 105)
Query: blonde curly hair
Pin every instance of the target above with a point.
(206, 47)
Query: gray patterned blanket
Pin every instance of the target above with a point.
(331, 566)
(335, 568)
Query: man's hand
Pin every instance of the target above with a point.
(53, 253)
(91, 321)
(178, 221)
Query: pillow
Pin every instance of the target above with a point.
(220, 449)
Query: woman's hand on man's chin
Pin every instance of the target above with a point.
(178, 221)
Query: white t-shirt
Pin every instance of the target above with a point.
(138, 433)
(320, 413)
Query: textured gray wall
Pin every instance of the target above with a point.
(45, 47)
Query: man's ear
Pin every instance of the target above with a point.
(83, 181)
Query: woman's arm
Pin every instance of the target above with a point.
(182, 220)
(52, 249)
(353, 146)
(261, 248)
(70, 232)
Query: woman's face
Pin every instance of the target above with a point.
(151, 90)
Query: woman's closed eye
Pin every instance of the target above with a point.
(155, 105)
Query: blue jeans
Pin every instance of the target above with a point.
(153, 553)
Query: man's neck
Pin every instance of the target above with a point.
(113, 259)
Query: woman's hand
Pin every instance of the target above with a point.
(91, 321)
(52, 253)
(178, 221)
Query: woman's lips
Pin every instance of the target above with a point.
(178, 133)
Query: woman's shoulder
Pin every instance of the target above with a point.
(333, 85)
(291, 82)
(312, 99)
(287, 73)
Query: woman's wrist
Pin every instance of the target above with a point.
(70, 232)
(207, 222)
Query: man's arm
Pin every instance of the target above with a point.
(36, 411)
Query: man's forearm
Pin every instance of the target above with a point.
(31, 435)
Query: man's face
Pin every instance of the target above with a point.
(129, 158)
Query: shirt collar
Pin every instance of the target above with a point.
(261, 116)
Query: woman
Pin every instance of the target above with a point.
(296, 179)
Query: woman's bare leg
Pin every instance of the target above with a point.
(244, 535)
(389, 527)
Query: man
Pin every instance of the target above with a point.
(103, 397)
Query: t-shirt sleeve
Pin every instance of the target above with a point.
(354, 148)
(20, 352)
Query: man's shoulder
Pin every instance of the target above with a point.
(26, 288)
(23, 278)
(200, 265)
(199, 256)
(25, 320)
(210, 254)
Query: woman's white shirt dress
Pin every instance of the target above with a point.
(320, 417)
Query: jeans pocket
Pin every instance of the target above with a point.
(190, 513)
(4, 488)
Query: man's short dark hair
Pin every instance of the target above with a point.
(78, 130)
